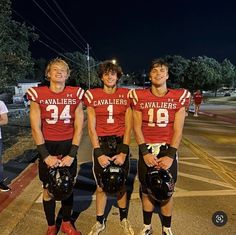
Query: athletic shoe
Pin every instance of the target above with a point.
(67, 228)
(146, 230)
(97, 228)
(125, 224)
(166, 231)
(4, 188)
(52, 230)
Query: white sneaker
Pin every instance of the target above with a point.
(125, 224)
(166, 231)
(146, 230)
(97, 228)
(195, 115)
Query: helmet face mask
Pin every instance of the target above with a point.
(113, 179)
(160, 184)
(61, 183)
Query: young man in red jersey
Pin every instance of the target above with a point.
(197, 99)
(109, 125)
(56, 117)
(159, 114)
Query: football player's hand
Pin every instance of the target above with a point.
(119, 159)
(164, 163)
(66, 161)
(150, 160)
(104, 161)
(52, 161)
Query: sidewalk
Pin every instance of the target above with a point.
(224, 112)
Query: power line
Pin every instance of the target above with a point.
(62, 55)
(34, 27)
(60, 19)
(56, 23)
(78, 33)
(44, 43)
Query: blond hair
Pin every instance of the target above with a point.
(56, 61)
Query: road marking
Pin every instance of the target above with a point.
(206, 180)
(207, 193)
(219, 168)
(226, 161)
(226, 157)
(194, 164)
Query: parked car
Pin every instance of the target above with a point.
(227, 93)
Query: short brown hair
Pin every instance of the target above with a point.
(158, 62)
(108, 66)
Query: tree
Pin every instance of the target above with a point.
(228, 73)
(203, 73)
(15, 57)
(177, 69)
(79, 69)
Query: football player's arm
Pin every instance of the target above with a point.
(102, 159)
(166, 162)
(178, 128)
(3, 119)
(78, 131)
(35, 121)
(149, 159)
(119, 159)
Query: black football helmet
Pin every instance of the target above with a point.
(61, 183)
(113, 179)
(160, 184)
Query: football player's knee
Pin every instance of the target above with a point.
(46, 195)
(99, 189)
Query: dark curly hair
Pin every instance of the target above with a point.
(108, 66)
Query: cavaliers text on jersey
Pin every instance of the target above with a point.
(110, 110)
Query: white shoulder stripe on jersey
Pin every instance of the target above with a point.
(182, 96)
(88, 95)
(32, 92)
(134, 96)
(186, 95)
(80, 93)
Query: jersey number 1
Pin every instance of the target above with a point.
(110, 118)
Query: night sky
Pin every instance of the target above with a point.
(132, 31)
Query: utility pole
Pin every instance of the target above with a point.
(88, 64)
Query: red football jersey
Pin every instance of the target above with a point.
(57, 110)
(110, 110)
(197, 98)
(158, 113)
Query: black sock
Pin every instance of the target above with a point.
(166, 221)
(100, 218)
(66, 206)
(49, 210)
(147, 217)
(123, 213)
